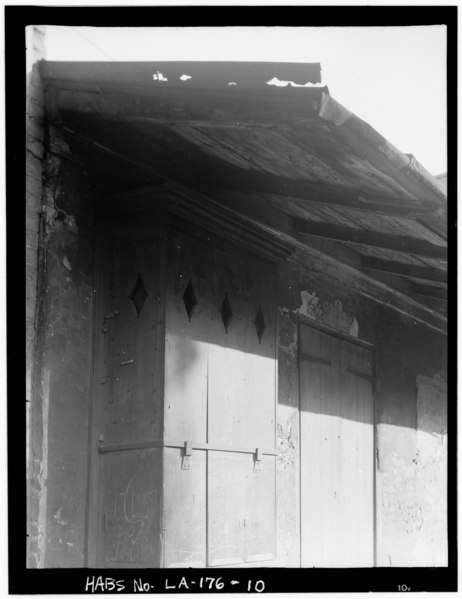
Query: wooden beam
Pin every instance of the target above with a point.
(189, 107)
(433, 227)
(430, 291)
(138, 166)
(405, 270)
(397, 243)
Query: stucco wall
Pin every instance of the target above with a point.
(34, 162)
(60, 392)
(410, 420)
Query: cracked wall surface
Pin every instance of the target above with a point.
(35, 151)
(60, 390)
(412, 469)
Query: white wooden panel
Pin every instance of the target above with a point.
(219, 389)
(242, 509)
(184, 509)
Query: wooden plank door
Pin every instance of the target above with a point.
(219, 392)
(241, 413)
(126, 473)
(337, 451)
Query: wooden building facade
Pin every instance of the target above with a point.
(237, 352)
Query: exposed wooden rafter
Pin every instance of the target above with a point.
(433, 227)
(430, 291)
(397, 243)
(405, 270)
(138, 166)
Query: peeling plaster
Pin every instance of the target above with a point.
(290, 349)
(412, 481)
(310, 305)
(53, 216)
(288, 342)
(286, 445)
(330, 313)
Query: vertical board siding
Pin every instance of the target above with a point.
(336, 420)
(126, 484)
(185, 408)
(133, 393)
(163, 375)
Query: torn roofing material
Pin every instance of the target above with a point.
(239, 76)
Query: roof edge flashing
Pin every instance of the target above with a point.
(332, 111)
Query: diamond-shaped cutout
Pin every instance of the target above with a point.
(260, 323)
(226, 312)
(139, 295)
(189, 299)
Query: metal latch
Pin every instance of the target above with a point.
(185, 463)
(258, 455)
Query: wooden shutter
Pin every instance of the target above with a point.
(337, 451)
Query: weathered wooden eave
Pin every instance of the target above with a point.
(237, 95)
(135, 114)
(311, 192)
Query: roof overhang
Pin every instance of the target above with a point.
(288, 153)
